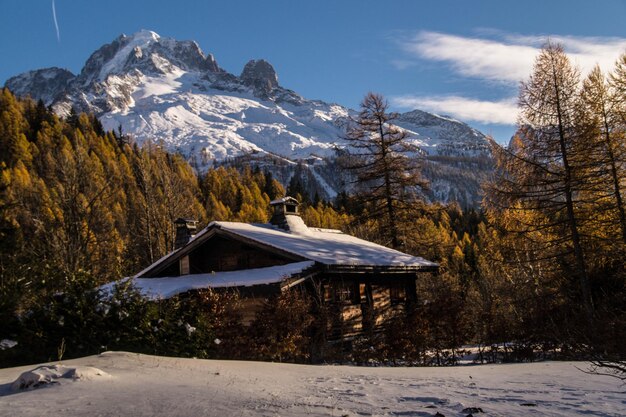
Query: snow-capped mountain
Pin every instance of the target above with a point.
(442, 135)
(169, 91)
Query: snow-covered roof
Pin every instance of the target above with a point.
(166, 287)
(325, 246)
(329, 248)
(283, 200)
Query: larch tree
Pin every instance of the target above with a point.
(600, 109)
(617, 85)
(542, 177)
(384, 165)
(617, 81)
(167, 189)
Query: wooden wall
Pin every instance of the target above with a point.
(223, 254)
(361, 303)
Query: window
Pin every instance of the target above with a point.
(363, 293)
(347, 293)
(397, 292)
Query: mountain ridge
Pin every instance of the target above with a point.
(169, 91)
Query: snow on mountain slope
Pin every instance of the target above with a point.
(219, 125)
(169, 91)
(442, 135)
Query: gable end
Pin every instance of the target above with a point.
(219, 250)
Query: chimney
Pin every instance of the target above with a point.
(286, 215)
(185, 230)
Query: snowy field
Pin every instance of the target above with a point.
(141, 385)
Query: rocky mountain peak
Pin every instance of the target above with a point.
(260, 75)
(94, 66)
(428, 119)
(147, 52)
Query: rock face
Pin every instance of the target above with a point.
(170, 91)
(45, 84)
(147, 52)
(260, 75)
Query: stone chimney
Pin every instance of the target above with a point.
(286, 215)
(185, 230)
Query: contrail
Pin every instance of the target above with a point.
(56, 24)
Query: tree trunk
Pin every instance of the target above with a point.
(395, 242)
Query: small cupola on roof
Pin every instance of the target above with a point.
(286, 215)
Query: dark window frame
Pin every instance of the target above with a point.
(397, 293)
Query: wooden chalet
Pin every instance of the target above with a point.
(363, 283)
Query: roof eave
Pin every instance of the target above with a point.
(381, 269)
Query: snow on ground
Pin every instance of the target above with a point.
(116, 63)
(50, 374)
(142, 385)
(7, 344)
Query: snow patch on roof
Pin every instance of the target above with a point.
(282, 200)
(166, 287)
(296, 224)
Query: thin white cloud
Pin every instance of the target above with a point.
(508, 58)
(495, 56)
(474, 57)
(56, 24)
(503, 112)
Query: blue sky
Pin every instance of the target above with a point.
(461, 58)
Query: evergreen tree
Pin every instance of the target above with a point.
(271, 187)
